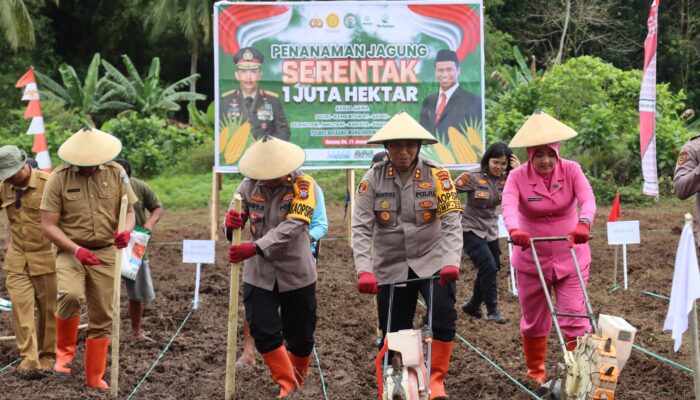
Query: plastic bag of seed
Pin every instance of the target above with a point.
(131, 261)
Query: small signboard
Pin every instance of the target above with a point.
(623, 232)
(502, 231)
(198, 252)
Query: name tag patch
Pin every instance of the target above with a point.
(534, 199)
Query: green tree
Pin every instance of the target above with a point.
(193, 17)
(90, 98)
(147, 95)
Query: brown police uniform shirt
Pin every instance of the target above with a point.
(414, 225)
(88, 204)
(279, 220)
(29, 247)
(483, 197)
(686, 179)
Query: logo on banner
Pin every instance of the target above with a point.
(350, 21)
(332, 20)
(316, 22)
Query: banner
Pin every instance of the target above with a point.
(647, 107)
(327, 75)
(36, 127)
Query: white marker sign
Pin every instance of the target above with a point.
(198, 252)
(502, 231)
(623, 232)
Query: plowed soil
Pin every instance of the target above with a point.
(194, 365)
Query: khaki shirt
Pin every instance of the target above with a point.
(686, 179)
(483, 196)
(88, 204)
(413, 225)
(28, 245)
(279, 225)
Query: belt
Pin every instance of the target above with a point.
(93, 248)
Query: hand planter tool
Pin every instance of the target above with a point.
(408, 377)
(591, 369)
(232, 340)
(114, 372)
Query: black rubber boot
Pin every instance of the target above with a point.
(470, 309)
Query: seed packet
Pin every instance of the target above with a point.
(133, 254)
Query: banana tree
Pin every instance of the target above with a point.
(91, 97)
(148, 95)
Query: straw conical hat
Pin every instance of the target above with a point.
(271, 158)
(540, 129)
(402, 126)
(89, 147)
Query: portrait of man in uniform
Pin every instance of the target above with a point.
(450, 106)
(261, 108)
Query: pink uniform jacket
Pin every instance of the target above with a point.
(528, 205)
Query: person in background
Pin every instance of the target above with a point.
(540, 199)
(279, 274)
(80, 215)
(28, 263)
(140, 291)
(484, 187)
(406, 226)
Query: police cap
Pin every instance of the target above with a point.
(248, 58)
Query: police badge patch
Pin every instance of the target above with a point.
(682, 157)
(362, 188)
(303, 189)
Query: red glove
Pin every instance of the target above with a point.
(121, 240)
(367, 283)
(580, 234)
(234, 220)
(448, 274)
(86, 257)
(520, 238)
(243, 251)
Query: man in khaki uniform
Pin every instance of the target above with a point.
(279, 275)
(407, 214)
(29, 262)
(80, 214)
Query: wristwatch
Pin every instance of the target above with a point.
(586, 220)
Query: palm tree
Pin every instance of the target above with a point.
(147, 95)
(193, 17)
(17, 25)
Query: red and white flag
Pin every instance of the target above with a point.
(615, 210)
(647, 107)
(33, 111)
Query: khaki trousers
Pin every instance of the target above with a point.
(36, 339)
(94, 284)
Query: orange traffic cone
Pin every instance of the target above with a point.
(95, 362)
(439, 364)
(66, 337)
(282, 370)
(301, 366)
(535, 353)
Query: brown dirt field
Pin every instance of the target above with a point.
(193, 367)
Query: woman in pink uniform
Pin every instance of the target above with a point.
(540, 199)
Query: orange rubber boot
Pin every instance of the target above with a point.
(535, 353)
(301, 366)
(439, 364)
(282, 370)
(570, 342)
(95, 362)
(66, 337)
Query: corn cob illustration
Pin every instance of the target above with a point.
(235, 146)
(223, 137)
(443, 153)
(462, 149)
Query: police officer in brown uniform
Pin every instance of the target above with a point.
(407, 214)
(29, 262)
(686, 179)
(262, 108)
(279, 275)
(80, 213)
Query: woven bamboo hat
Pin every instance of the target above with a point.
(402, 126)
(89, 147)
(539, 129)
(12, 159)
(271, 158)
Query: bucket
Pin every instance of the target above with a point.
(622, 335)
